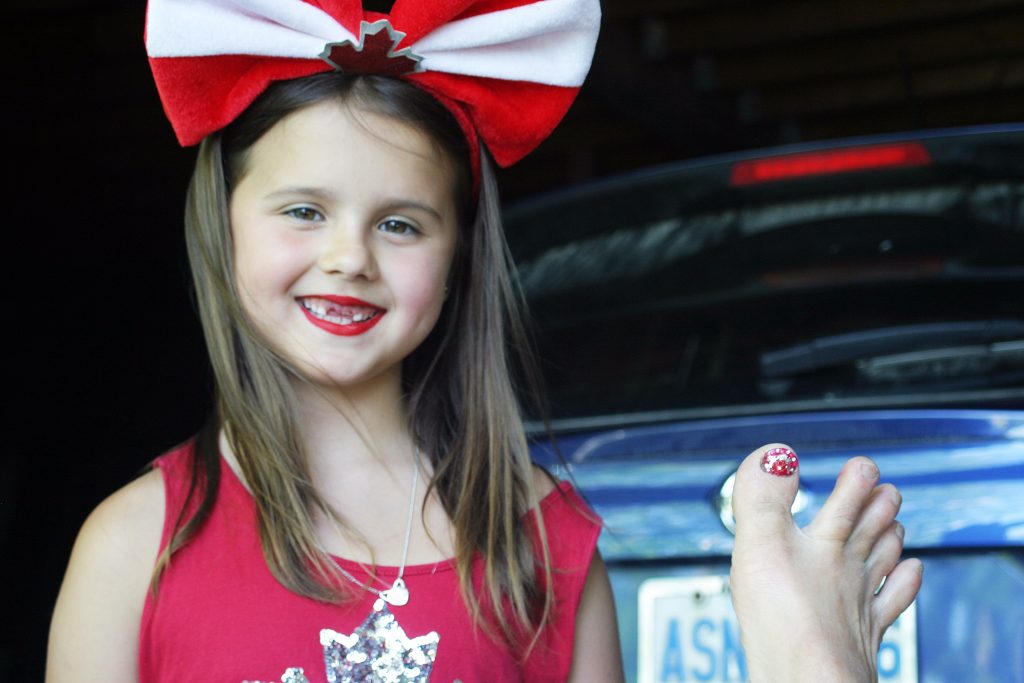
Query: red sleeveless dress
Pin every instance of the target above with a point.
(220, 616)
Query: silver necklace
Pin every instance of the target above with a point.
(398, 594)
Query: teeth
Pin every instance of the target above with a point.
(341, 315)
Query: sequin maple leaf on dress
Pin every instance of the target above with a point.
(376, 52)
(378, 651)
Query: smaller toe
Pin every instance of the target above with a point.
(875, 519)
(885, 554)
(901, 586)
(843, 509)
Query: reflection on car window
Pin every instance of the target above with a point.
(901, 284)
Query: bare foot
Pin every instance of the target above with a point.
(806, 597)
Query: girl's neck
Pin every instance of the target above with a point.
(354, 426)
(361, 456)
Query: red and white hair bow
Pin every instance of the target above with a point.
(507, 69)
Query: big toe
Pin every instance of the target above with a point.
(766, 486)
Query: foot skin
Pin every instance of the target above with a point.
(806, 598)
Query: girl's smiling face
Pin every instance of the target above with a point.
(344, 228)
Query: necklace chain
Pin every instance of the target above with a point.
(398, 594)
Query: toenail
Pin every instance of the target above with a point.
(900, 531)
(869, 471)
(896, 498)
(781, 462)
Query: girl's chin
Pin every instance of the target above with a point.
(344, 381)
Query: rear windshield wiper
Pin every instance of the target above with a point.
(839, 349)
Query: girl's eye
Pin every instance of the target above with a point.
(397, 227)
(305, 213)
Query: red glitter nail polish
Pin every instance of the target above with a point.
(781, 462)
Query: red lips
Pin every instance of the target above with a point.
(362, 316)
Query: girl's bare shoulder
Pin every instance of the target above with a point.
(95, 623)
(543, 482)
(125, 529)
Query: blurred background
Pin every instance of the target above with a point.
(108, 364)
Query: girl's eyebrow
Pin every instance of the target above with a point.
(296, 189)
(390, 202)
(400, 203)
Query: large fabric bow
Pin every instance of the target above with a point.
(507, 69)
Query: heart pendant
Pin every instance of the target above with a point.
(397, 595)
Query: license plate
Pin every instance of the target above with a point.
(688, 632)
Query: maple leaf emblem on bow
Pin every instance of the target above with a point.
(376, 53)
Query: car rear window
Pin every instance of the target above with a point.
(880, 288)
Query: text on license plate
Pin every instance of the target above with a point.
(688, 632)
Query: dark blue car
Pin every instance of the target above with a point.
(861, 297)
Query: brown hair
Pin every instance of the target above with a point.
(463, 407)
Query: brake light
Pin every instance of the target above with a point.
(866, 158)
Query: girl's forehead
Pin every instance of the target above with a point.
(342, 121)
(333, 141)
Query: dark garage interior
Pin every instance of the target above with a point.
(108, 364)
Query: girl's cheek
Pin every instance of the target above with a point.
(427, 296)
(422, 291)
(270, 252)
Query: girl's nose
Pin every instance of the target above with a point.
(348, 257)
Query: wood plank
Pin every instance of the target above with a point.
(777, 23)
(859, 92)
(616, 10)
(953, 112)
(922, 46)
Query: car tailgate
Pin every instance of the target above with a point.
(961, 473)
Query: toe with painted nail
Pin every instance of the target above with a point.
(782, 462)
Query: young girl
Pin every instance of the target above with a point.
(362, 507)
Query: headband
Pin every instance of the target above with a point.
(507, 69)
